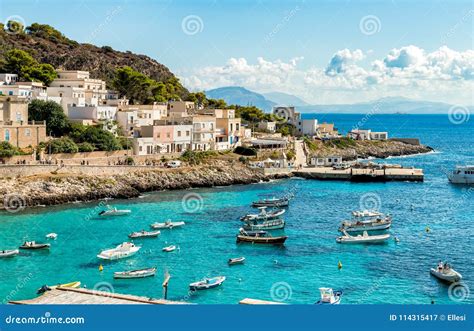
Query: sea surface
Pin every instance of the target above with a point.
(389, 273)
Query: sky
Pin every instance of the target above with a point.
(325, 52)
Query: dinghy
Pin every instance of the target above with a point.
(263, 215)
(34, 245)
(207, 283)
(329, 296)
(140, 273)
(113, 211)
(169, 248)
(259, 237)
(236, 260)
(144, 234)
(362, 239)
(167, 225)
(9, 252)
(45, 288)
(266, 225)
(121, 251)
(52, 235)
(446, 273)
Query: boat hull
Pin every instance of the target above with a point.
(199, 286)
(362, 228)
(362, 240)
(453, 277)
(270, 225)
(135, 274)
(9, 253)
(240, 260)
(36, 247)
(262, 240)
(270, 204)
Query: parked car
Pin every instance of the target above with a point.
(174, 164)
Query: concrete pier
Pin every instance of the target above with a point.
(362, 175)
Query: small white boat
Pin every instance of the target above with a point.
(113, 211)
(167, 225)
(140, 273)
(362, 239)
(446, 273)
(207, 283)
(236, 260)
(367, 220)
(121, 251)
(144, 234)
(264, 226)
(9, 252)
(329, 296)
(169, 248)
(52, 235)
(462, 175)
(263, 215)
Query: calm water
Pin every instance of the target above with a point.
(391, 273)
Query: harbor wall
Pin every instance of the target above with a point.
(410, 141)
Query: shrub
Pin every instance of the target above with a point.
(246, 151)
(85, 147)
(7, 149)
(62, 145)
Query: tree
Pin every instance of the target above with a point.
(27, 68)
(85, 147)
(7, 149)
(57, 124)
(102, 140)
(43, 72)
(62, 145)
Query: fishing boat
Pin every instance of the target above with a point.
(236, 260)
(45, 288)
(9, 252)
(207, 283)
(462, 175)
(259, 237)
(263, 215)
(123, 250)
(113, 211)
(367, 221)
(52, 235)
(362, 239)
(169, 248)
(446, 273)
(329, 296)
(167, 225)
(264, 226)
(272, 202)
(144, 234)
(34, 245)
(139, 273)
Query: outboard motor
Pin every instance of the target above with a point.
(43, 289)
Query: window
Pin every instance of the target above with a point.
(7, 135)
(179, 133)
(141, 148)
(231, 127)
(168, 135)
(187, 133)
(27, 132)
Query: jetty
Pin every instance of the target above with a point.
(362, 175)
(82, 296)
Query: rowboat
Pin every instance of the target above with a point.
(236, 260)
(167, 225)
(272, 202)
(45, 288)
(446, 273)
(113, 211)
(367, 221)
(140, 273)
(259, 237)
(34, 245)
(362, 239)
(123, 250)
(207, 283)
(266, 225)
(329, 296)
(52, 235)
(144, 234)
(9, 252)
(169, 248)
(263, 215)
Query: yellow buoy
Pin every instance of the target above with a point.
(101, 267)
(339, 265)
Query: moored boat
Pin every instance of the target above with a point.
(167, 225)
(462, 175)
(169, 248)
(265, 225)
(362, 239)
(260, 237)
(45, 288)
(123, 250)
(9, 252)
(446, 273)
(139, 273)
(329, 296)
(367, 221)
(236, 260)
(113, 211)
(144, 234)
(272, 202)
(263, 215)
(207, 283)
(52, 235)
(34, 245)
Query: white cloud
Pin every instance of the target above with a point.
(442, 75)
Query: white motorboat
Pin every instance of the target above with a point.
(167, 225)
(363, 214)
(140, 273)
(144, 234)
(169, 248)
(121, 251)
(362, 239)
(462, 175)
(9, 252)
(367, 221)
(272, 202)
(52, 235)
(446, 273)
(113, 211)
(236, 260)
(207, 283)
(329, 296)
(263, 215)
(264, 226)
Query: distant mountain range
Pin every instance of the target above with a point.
(241, 96)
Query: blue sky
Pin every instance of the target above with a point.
(323, 51)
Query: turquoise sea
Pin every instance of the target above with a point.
(390, 273)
